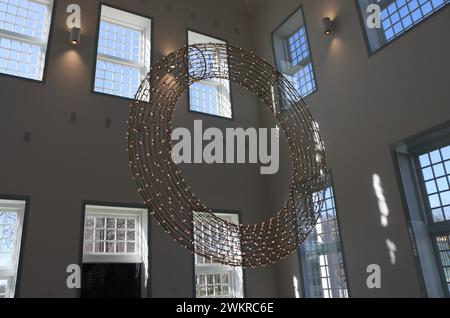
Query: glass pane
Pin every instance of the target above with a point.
(226, 290)
(131, 223)
(110, 247)
(100, 223)
(120, 247)
(99, 247)
(121, 235)
(110, 235)
(89, 247)
(120, 223)
(424, 160)
(89, 234)
(6, 259)
(131, 247)
(110, 223)
(8, 231)
(99, 234)
(11, 218)
(131, 235)
(90, 221)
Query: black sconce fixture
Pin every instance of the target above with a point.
(328, 26)
(75, 35)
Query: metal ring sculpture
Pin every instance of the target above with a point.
(166, 192)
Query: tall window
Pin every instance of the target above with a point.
(210, 96)
(115, 251)
(397, 16)
(24, 31)
(435, 180)
(321, 256)
(292, 53)
(424, 166)
(214, 280)
(11, 223)
(123, 55)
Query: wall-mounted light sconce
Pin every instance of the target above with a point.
(75, 36)
(328, 26)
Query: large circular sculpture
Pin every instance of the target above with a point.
(166, 192)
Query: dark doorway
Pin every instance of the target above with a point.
(111, 281)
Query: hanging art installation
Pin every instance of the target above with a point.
(168, 196)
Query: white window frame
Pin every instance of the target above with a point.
(236, 274)
(141, 250)
(43, 44)
(222, 86)
(131, 21)
(10, 273)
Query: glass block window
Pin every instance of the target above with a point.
(214, 280)
(113, 233)
(110, 235)
(293, 55)
(214, 285)
(210, 96)
(204, 98)
(24, 32)
(11, 222)
(123, 55)
(443, 244)
(435, 169)
(321, 256)
(398, 16)
(303, 79)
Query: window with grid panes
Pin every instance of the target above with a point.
(303, 80)
(214, 280)
(123, 54)
(321, 256)
(435, 179)
(423, 164)
(210, 96)
(24, 33)
(114, 234)
(435, 168)
(292, 53)
(11, 223)
(398, 16)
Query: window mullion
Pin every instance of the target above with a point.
(112, 59)
(21, 37)
(439, 228)
(384, 3)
